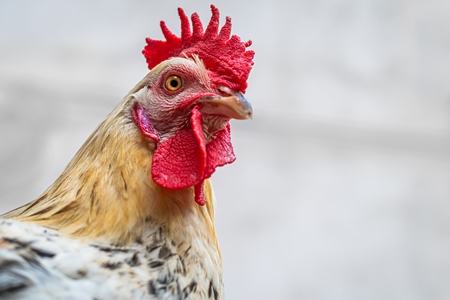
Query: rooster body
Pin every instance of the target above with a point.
(107, 200)
(132, 215)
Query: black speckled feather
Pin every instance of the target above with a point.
(38, 263)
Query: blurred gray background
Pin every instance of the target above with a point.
(341, 188)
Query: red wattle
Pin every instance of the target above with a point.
(220, 151)
(179, 162)
(184, 159)
(200, 193)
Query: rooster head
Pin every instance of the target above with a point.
(194, 88)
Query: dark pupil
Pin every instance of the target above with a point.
(174, 83)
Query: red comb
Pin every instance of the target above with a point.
(225, 57)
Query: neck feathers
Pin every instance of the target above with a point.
(106, 192)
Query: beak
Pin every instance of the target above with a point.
(234, 106)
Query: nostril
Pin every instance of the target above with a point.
(227, 91)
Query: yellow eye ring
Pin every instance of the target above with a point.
(173, 83)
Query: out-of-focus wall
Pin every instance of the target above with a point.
(341, 189)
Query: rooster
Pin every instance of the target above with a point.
(132, 215)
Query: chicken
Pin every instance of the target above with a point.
(132, 215)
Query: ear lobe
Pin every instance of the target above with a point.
(144, 124)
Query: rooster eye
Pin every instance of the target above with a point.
(173, 83)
